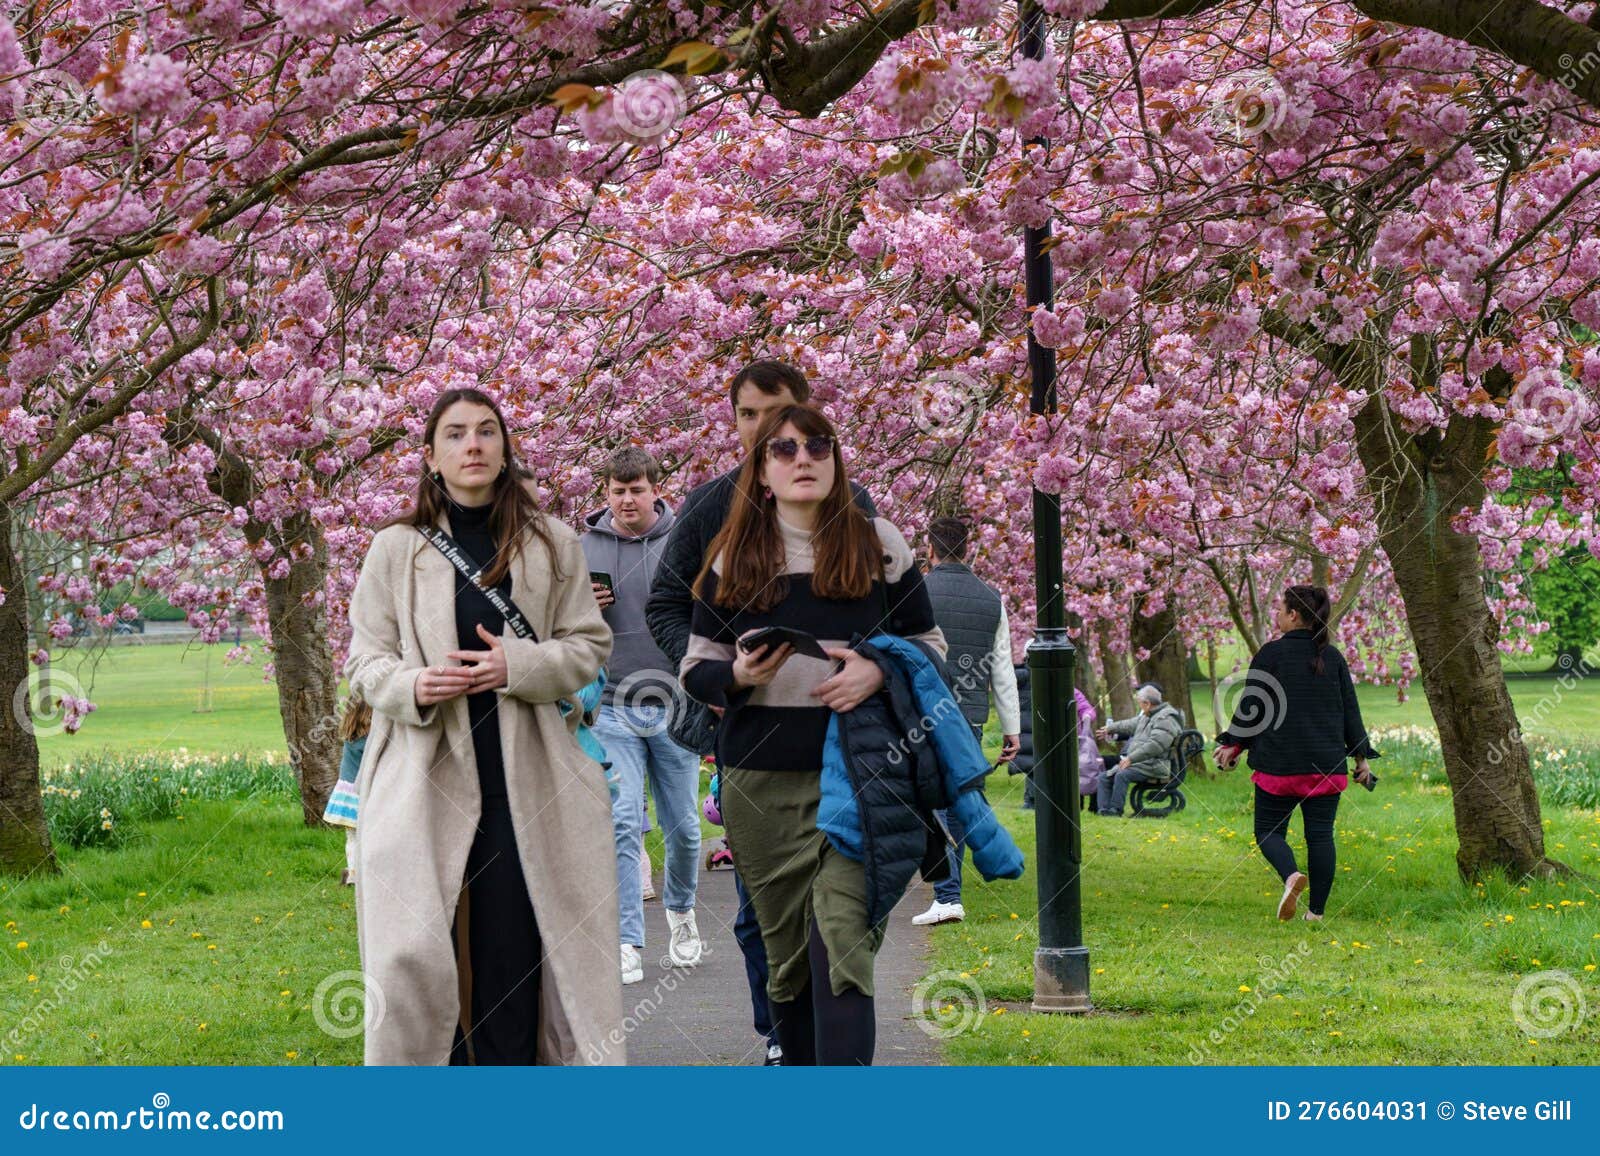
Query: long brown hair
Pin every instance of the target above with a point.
(845, 546)
(1315, 608)
(515, 513)
(356, 720)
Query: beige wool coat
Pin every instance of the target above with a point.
(420, 802)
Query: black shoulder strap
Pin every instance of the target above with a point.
(447, 546)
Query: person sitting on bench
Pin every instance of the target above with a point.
(1146, 758)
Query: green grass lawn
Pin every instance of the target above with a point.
(147, 699)
(246, 918)
(1411, 966)
(203, 941)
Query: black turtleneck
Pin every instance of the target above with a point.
(469, 526)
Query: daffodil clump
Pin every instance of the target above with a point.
(93, 801)
(1566, 772)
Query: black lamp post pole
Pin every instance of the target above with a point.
(1061, 963)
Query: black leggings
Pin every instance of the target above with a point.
(1272, 822)
(820, 1028)
(505, 947)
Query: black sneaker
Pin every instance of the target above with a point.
(774, 1057)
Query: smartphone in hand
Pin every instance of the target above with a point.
(775, 636)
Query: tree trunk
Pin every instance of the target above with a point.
(1418, 485)
(1218, 723)
(303, 665)
(1168, 662)
(1114, 664)
(1083, 670)
(24, 836)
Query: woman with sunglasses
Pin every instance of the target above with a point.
(797, 552)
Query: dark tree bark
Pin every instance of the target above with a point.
(1419, 483)
(1168, 662)
(24, 835)
(1114, 665)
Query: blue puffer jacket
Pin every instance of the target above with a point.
(869, 787)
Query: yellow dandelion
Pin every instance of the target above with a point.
(1336, 1033)
(211, 947)
(1244, 987)
(1588, 967)
(146, 924)
(22, 945)
(195, 935)
(33, 978)
(203, 1027)
(999, 1011)
(1014, 915)
(292, 1055)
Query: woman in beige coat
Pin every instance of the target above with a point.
(485, 903)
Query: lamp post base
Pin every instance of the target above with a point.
(1061, 980)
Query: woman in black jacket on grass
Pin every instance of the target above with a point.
(1299, 719)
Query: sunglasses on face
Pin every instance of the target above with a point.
(817, 446)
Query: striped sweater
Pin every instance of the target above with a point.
(780, 726)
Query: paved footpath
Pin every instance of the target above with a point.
(701, 1015)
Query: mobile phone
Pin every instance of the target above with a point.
(603, 578)
(802, 642)
(1371, 782)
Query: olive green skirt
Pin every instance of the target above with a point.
(794, 876)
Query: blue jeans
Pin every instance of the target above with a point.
(748, 932)
(949, 890)
(637, 743)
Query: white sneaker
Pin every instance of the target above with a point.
(632, 964)
(774, 1056)
(940, 913)
(684, 947)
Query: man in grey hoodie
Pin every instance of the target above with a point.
(623, 544)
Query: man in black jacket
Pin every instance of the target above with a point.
(755, 391)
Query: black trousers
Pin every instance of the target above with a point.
(818, 1027)
(505, 948)
(1272, 822)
